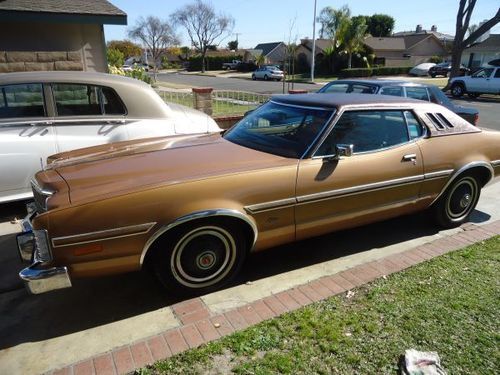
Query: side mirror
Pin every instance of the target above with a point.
(343, 150)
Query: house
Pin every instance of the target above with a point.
(55, 35)
(304, 50)
(274, 53)
(406, 50)
(479, 54)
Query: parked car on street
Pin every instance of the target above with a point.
(42, 113)
(443, 69)
(268, 72)
(483, 81)
(231, 65)
(428, 93)
(421, 69)
(190, 208)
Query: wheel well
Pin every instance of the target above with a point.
(460, 83)
(247, 230)
(483, 174)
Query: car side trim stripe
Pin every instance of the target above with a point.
(103, 235)
(360, 188)
(438, 174)
(287, 202)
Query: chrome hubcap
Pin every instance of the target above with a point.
(206, 260)
(465, 201)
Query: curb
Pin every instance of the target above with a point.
(200, 326)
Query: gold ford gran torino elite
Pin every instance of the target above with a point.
(190, 208)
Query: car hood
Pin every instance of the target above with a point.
(127, 167)
(185, 117)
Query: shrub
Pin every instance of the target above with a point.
(114, 56)
(436, 59)
(211, 62)
(375, 71)
(137, 73)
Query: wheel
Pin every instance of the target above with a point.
(254, 77)
(433, 75)
(457, 90)
(266, 78)
(200, 258)
(473, 95)
(455, 205)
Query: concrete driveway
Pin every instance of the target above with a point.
(50, 331)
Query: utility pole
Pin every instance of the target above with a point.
(237, 38)
(314, 44)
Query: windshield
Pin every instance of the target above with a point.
(280, 129)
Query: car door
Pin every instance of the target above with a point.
(87, 115)
(381, 179)
(495, 82)
(480, 81)
(26, 138)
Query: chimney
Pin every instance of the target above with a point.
(418, 29)
(434, 28)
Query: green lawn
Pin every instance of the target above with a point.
(448, 305)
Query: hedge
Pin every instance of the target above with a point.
(211, 62)
(376, 71)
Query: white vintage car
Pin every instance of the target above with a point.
(44, 113)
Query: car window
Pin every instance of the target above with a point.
(112, 102)
(362, 89)
(483, 73)
(25, 100)
(419, 93)
(415, 129)
(337, 87)
(497, 73)
(280, 129)
(366, 131)
(392, 90)
(86, 100)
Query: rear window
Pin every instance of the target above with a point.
(25, 100)
(337, 87)
(86, 100)
(393, 91)
(419, 93)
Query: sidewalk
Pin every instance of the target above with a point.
(210, 317)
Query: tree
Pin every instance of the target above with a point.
(203, 25)
(260, 60)
(333, 23)
(464, 14)
(380, 25)
(186, 51)
(114, 57)
(232, 45)
(128, 48)
(156, 35)
(353, 37)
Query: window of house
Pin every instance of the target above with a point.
(367, 131)
(86, 100)
(24, 100)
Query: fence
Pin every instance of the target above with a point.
(224, 102)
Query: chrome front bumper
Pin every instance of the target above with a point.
(33, 246)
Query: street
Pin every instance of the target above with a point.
(489, 107)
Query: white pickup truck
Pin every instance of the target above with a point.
(484, 81)
(231, 65)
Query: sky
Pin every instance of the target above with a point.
(260, 21)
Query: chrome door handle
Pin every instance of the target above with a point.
(410, 157)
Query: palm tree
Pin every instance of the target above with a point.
(353, 37)
(333, 23)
